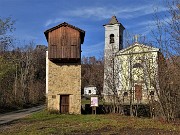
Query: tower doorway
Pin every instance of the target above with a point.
(64, 103)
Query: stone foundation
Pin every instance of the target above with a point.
(64, 79)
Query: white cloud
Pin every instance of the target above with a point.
(106, 12)
(54, 21)
(151, 24)
(48, 22)
(90, 50)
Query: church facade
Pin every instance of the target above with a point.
(130, 74)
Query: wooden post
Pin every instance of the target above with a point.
(94, 110)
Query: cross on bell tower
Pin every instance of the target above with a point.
(136, 38)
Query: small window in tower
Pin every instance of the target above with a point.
(137, 65)
(111, 38)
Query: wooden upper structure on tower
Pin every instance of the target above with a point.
(64, 43)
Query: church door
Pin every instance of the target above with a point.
(138, 92)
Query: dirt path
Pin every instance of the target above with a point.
(9, 117)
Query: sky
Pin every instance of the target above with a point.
(33, 17)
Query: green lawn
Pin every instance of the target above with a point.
(44, 123)
(87, 101)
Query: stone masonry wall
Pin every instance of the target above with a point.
(64, 79)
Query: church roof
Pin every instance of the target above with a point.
(144, 48)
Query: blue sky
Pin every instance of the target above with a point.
(33, 17)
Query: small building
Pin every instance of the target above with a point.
(90, 90)
(63, 68)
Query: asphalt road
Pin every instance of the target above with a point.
(11, 116)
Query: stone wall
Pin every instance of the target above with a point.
(64, 79)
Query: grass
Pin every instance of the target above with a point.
(87, 101)
(44, 123)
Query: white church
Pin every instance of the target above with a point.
(130, 74)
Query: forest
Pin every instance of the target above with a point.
(22, 71)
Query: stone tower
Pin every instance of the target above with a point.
(113, 44)
(64, 68)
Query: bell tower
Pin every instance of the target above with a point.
(113, 35)
(113, 44)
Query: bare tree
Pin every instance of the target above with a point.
(167, 38)
(6, 27)
(92, 72)
(22, 70)
(32, 73)
(111, 81)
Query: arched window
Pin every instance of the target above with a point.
(137, 65)
(111, 38)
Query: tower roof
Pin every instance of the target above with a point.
(114, 20)
(82, 32)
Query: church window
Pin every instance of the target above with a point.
(125, 94)
(151, 93)
(111, 38)
(137, 65)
